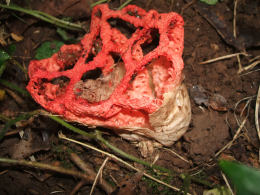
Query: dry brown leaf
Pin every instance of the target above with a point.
(16, 37)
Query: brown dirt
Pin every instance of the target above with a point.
(211, 127)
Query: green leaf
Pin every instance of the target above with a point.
(210, 2)
(246, 179)
(47, 49)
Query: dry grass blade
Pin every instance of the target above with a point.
(240, 67)
(223, 58)
(62, 136)
(250, 66)
(88, 169)
(234, 19)
(254, 59)
(256, 116)
(256, 112)
(250, 72)
(179, 156)
(98, 175)
(227, 183)
(229, 144)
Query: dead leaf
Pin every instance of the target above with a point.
(16, 37)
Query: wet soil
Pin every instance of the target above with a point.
(214, 122)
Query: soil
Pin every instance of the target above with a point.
(219, 103)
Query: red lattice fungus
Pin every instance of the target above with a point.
(125, 75)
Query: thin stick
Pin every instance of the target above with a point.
(250, 66)
(98, 174)
(234, 19)
(62, 136)
(45, 17)
(256, 116)
(240, 67)
(250, 72)
(224, 57)
(256, 112)
(46, 167)
(235, 35)
(255, 58)
(227, 183)
(176, 154)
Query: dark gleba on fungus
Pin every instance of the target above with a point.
(129, 82)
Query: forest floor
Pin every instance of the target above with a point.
(222, 94)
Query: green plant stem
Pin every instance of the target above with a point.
(45, 17)
(14, 87)
(74, 129)
(97, 3)
(124, 4)
(46, 167)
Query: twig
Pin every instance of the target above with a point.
(46, 167)
(176, 154)
(234, 19)
(240, 67)
(98, 175)
(250, 66)
(224, 57)
(255, 58)
(62, 136)
(256, 116)
(250, 72)
(45, 17)
(227, 183)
